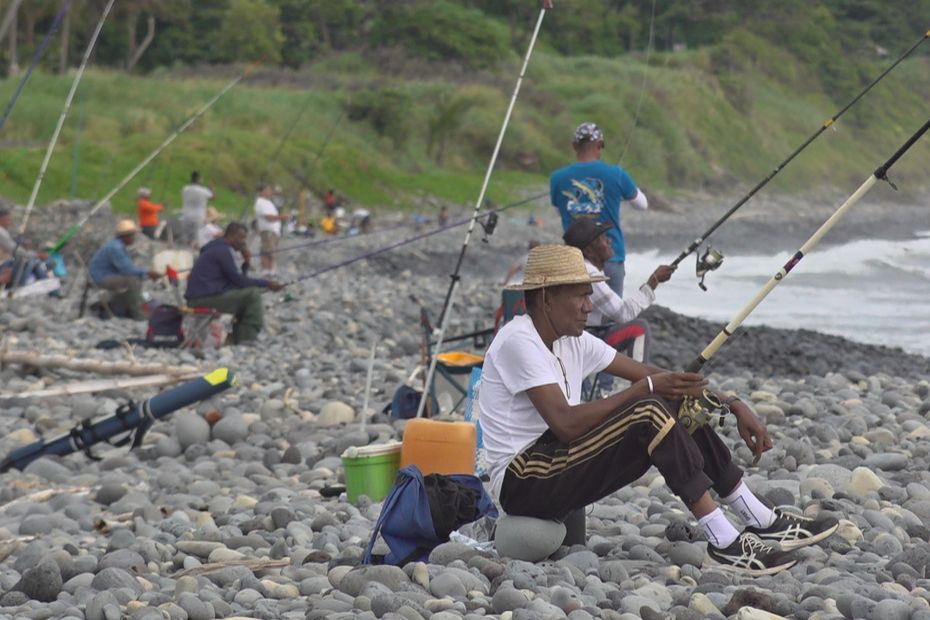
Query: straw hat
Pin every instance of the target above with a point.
(213, 215)
(554, 265)
(126, 227)
(143, 192)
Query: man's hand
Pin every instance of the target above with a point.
(677, 385)
(246, 254)
(664, 272)
(154, 275)
(751, 429)
(275, 286)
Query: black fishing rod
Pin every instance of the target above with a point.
(277, 151)
(880, 174)
(304, 177)
(131, 421)
(711, 259)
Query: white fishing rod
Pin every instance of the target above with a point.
(453, 285)
(64, 114)
(145, 162)
(881, 173)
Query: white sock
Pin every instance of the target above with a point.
(718, 529)
(751, 510)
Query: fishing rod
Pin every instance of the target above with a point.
(880, 174)
(131, 420)
(177, 132)
(711, 259)
(453, 284)
(488, 215)
(35, 58)
(277, 151)
(64, 114)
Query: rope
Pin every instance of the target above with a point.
(35, 60)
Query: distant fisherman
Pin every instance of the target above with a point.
(111, 268)
(592, 188)
(194, 198)
(148, 212)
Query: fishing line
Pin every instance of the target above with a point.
(410, 240)
(277, 151)
(642, 90)
(828, 123)
(880, 174)
(447, 304)
(64, 115)
(171, 138)
(35, 60)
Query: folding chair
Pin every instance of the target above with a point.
(450, 364)
(632, 339)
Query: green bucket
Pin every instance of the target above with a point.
(371, 470)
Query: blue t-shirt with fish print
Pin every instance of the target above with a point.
(593, 189)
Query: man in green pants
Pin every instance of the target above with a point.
(217, 282)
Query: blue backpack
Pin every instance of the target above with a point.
(420, 512)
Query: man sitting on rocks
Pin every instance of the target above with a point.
(588, 235)
(550, 454)
(216, 282)
(111, 268)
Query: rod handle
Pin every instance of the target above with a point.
(191, 392)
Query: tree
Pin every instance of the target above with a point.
(251, 30)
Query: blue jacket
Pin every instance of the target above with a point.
(112, 259)
(215, 272)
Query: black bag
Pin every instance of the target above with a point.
(165, 325)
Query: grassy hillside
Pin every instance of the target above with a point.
(409, 129)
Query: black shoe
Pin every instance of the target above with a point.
(749, 556)
(793, 531)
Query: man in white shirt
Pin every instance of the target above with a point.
(550, 454)
(588, 235)
(194, 198)
(268, 221)
(210, 230)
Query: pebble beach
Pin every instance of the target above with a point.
(223, 511)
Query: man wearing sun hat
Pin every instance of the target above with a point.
(111, 268)
(591, 188)
(210, 231)
(550, 454)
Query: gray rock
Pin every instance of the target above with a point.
(195, 608)
(96, 608)
(355, 580)
(334, 413)
(113, 578)
(191, 429)
(446, 584)
(526, 538)
(508, 599)
(127, 559)
(49, 470)
(109, 493)
(887, 461)
(682, 553)
(446, 553)
(42, 583)
(231, 429)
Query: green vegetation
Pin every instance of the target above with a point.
(419, 108)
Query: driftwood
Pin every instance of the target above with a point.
(103, 385)
(252, 565)
(89, 365)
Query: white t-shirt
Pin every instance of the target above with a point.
(194, 199)
(516, 361)
(207, 233)
(264, 207)
(610, 307)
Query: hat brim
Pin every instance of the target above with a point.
(529, 286)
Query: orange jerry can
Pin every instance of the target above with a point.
(439, 447)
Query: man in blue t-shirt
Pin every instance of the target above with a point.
(592, 188)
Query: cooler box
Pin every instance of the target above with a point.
(370, 470)
(439, 447)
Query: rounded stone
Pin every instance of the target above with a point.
(528, 539)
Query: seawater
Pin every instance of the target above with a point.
(871, 291)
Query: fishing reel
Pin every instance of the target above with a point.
(697, 412)
(709, 261)
(489, 224)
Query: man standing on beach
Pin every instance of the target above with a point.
(194, 198)
(550, 454)
(592, 188)
(268, 221)
(148, 212)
